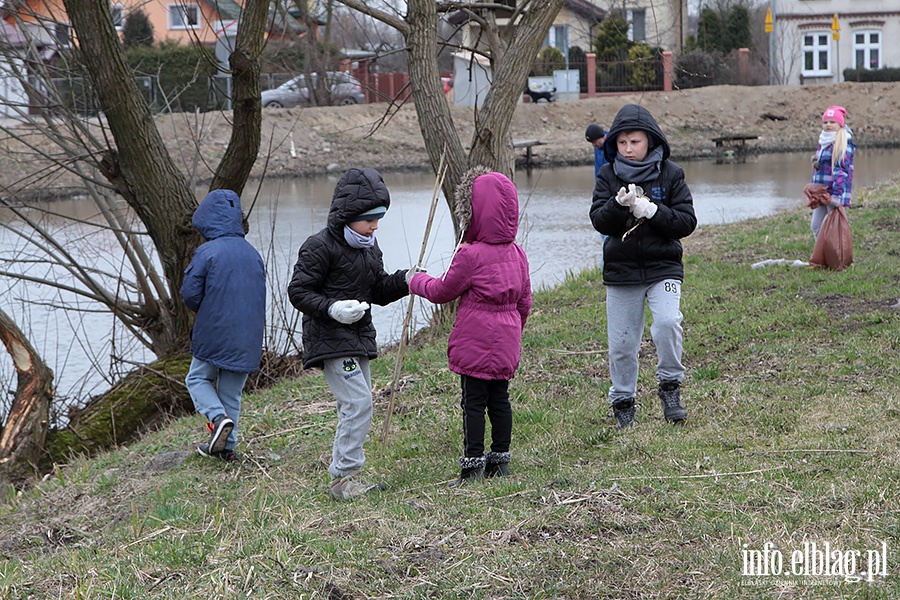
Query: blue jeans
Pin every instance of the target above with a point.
(215, 392)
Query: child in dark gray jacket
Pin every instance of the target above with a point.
(339, 273)
(643, 205)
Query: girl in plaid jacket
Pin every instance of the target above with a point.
(833, 165)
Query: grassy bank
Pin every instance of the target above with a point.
(792, 440)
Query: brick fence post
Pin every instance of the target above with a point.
(743, 65)
(591, 74)
(668, 70)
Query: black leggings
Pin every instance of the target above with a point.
(478, 394)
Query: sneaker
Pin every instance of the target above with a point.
(625, 412)
(219, 430)
(226, 455)
(351, 486)
(670, 398)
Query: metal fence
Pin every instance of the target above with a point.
(623, 75)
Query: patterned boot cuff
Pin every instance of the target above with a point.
(472, 462)
(497, 458)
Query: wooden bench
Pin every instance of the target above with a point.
(732, 145)
(528, 145)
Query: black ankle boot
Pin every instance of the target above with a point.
(625, 412)
(471, 468)
(497, 464)
(670, 398)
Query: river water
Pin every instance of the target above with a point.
(555, 232)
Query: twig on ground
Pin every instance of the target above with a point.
(704, 476)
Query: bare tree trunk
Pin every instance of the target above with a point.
(512, 53)
(143, 401)
(246, 130)
(22, 437)
(139, 167)
(432, 108)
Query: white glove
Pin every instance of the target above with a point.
(348, 311)
(626, 198)
(643, 208)
(412, 271)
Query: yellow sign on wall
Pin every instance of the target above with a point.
(835, 28)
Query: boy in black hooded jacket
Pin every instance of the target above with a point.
(643, 204)
(339, 273)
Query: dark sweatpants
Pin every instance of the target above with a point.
(478, 395)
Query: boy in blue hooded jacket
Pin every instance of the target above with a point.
(225, 284)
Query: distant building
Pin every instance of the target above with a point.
(805, 51)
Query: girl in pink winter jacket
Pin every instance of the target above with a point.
(489, 275)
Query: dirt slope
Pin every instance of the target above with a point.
(786, 118)
(300, 142)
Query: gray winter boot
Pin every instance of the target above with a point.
(670, 398)
(497, 464)
(471, 469)
(351, 486)
(625, 412)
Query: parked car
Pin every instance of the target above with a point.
(345, 89)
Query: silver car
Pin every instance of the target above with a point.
(345, 89)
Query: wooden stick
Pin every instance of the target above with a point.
(404, 336)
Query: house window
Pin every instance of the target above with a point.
(637, 25)
(62, 33)
(816, 54)
(118, 15)
(867, 49)
(184, 15)
(558, 37)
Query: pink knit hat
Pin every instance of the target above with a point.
(835, 112)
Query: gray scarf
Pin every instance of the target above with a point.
(356, 240)
(635, 172)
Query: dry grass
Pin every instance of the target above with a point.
(792, 438)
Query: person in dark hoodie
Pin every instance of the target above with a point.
(642, 203)
(489, 274)
(339, 273)
(225, 284)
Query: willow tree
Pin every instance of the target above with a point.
(510, 44)
(138, 164)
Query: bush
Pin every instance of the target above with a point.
(283, 58)
(699, 68)
(641, 68)
(549, 59)
(137, 31)
(182, 74)
(578, 60)
(612, 41)
(885, 74)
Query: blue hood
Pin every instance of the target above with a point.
(219, 215)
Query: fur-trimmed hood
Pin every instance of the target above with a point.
(487, 207)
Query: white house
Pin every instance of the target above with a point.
(803, 44)
(659, 23)
(13, 99)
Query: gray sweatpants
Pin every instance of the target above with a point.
(351, 384)
(625, 328)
